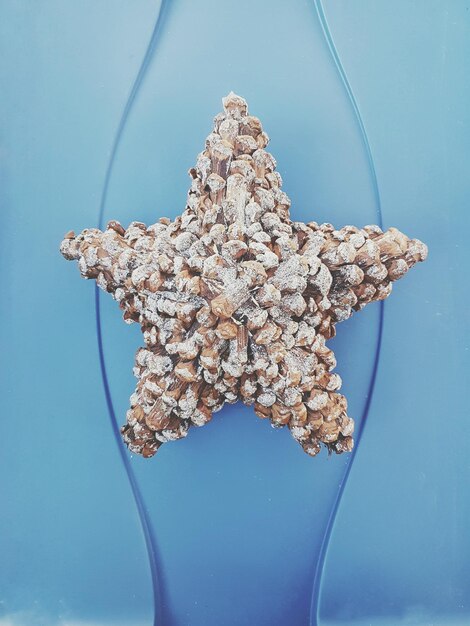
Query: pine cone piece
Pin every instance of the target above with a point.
(235, 300)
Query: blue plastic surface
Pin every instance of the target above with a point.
(104, 108)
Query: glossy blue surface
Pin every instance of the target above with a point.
(104, 108)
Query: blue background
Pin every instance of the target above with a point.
(104, 106)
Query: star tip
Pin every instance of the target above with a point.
(424, 251)
(234, 102)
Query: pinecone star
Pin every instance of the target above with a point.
(236, 301)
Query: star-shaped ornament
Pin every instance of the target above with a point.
(235, 300)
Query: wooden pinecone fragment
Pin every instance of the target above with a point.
(235, 300)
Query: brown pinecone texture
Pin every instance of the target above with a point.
(235, 300)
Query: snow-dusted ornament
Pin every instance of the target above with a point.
(235, 300)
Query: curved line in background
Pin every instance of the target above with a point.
(150, 542)
(130, 101)
(320, 566)
(334, 53)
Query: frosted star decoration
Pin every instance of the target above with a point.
(235, 300)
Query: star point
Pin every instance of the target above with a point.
(235, 300)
